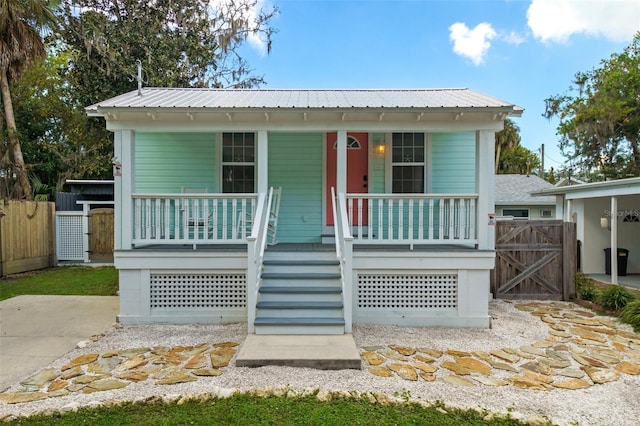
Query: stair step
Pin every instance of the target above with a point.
(300, 276)
(299, 289)
(299, 305)
(298, 321)
(285, 262)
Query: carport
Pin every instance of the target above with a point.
(607, 217)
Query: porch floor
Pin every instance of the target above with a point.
(307, 247)
(323, 352)
(629, 280)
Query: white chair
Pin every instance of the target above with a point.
(195, 219)
(245, 222)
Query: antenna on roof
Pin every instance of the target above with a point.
(139, 77)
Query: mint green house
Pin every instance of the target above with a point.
(304, 211)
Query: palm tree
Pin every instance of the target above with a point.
(21, 23)
(507, 138)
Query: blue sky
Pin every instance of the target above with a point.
(520, 51)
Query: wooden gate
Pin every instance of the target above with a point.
(101, 235)
(534, 260)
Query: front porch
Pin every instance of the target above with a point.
(437, 280)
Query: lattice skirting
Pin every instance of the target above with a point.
(197, 291)
(437, 292)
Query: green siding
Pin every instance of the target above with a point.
(166, 162)
(295, 164)
(453, 163)
(376, 181)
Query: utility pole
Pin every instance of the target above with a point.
(542, 161)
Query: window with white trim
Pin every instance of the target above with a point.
(516, 213)
(238, 163)
(408, 163)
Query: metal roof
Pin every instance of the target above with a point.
(152, 97)
(517, 189)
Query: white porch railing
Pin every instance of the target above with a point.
(344, 254)
(256, 243)
(192, 218)
(412, 218)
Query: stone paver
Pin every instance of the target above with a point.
(581, 351)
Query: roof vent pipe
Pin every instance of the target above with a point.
(139, 77)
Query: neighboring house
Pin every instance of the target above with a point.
(514, 199)
(607, 216)
(407, 239)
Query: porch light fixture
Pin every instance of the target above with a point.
(604, 223)
(380, 148)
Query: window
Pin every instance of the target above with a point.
(545, 213)
(408, 163)
(516, 213)
(238, 162)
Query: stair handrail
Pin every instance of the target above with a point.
(344, 254)
(256, 244)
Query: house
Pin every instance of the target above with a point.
(514, 199)
(381, 201)
(607, 217)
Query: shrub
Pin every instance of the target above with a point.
(585, 287)
(631, 314)
(615, 297)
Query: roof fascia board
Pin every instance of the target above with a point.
(595, 189)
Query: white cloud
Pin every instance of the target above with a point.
(472, 43)
(557, 20)
(513, 38)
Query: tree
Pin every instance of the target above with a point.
(180, 43)
(20, 46)
(55, 131)
(600, 124)
(506, 139)
(518, 160)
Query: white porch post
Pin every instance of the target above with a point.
(341, 162)
(263, 161)
(560, 207)
(117, 193)
(485, 187)
(568, 215)
(613, 220)
(127, 188)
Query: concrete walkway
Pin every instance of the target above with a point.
(37, 330)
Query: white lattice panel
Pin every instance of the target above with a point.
(197, 291)
(437, 292)
(69, 241)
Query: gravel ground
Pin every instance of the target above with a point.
(614, 403)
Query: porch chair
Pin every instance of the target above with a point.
(245, 222)
(193, 220)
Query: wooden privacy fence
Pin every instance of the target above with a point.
(101, 234)
(27, 236)
(535, 259)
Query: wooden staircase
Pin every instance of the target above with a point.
(301, 293)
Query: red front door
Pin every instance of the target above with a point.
(357, 169)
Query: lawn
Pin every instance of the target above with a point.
(245, 409)
(66, 280)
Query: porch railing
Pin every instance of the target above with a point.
(192, 218)
(256, 244)
(412, 218)
(344, 254)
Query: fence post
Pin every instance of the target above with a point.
(569, 254)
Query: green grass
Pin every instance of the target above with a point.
(67, 280)
(251, 410)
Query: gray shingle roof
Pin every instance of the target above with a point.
(517, 189)
(290, 98)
